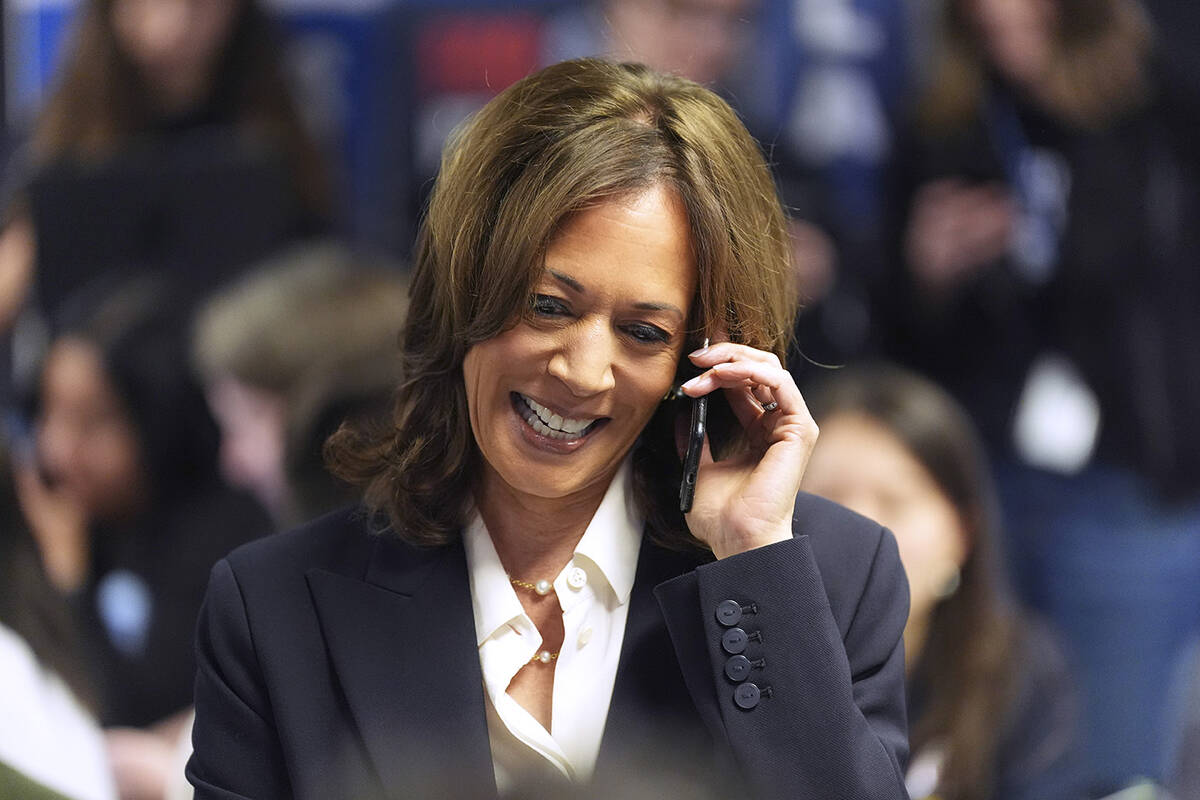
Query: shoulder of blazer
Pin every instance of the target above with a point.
(344, 542)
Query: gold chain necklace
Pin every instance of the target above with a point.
(541, 589)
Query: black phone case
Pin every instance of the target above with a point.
(691, 461)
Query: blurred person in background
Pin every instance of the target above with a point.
(153, 85)
(1046, 194)
(130, 514)
(50, 743)
(698, 39)
(708, 41)
(992, 708)
(301, 344)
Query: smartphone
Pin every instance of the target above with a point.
(691, 461)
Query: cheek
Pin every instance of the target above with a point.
(114, 458)
(644, 391)
(54, 444)
(252, 452)
(926, 538)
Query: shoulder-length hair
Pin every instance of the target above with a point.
(570, 136)
(1097, 72)
(968, 661)
(100, 102)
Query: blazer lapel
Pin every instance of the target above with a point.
(402, 643)
(656, 720)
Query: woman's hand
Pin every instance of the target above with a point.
(746, 500)
(955, 230)
(59, 525)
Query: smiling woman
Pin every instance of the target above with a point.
(523, 603)
(585, 370)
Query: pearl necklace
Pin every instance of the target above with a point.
(541, 589)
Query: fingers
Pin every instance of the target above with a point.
(761, 393)
(764, 380)
(729, 352)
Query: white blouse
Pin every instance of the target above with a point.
(45, 733)
(593, 590)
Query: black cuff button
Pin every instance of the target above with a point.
(746, 696)
(734, 641)
(738, 668)
(729, 613)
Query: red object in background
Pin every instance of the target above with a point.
(469, 53)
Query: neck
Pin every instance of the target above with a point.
(535, 537)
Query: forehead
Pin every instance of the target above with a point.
(856, 446)
(639, 243)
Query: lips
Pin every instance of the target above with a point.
(547, 423)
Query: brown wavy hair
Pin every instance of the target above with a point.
(570, 136)
(1098, 70)
(100, 102)
(971, 654)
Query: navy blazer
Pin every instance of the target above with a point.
(337, 662)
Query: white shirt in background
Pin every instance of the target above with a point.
(593, 590)
(45, 733)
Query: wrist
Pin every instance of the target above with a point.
(733, 545)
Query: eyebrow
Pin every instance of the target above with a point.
(576, 286)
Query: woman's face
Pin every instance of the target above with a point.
(86, 444)
(175, 44)
(253, 424)
(860, 464)
(558, 400)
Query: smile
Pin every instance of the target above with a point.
(552, 425)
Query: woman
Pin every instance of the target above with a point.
(130, 515)
(1046, 203)
(130, 512)
(301, 344)
(512, 625)
(156, 86)
(991, 706)
(50, 744)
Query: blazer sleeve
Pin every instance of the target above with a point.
(236, 751)
(814, 705)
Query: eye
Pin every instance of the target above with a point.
(648, 334)
(545, 305)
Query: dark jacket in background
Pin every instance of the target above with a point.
(1121, 303)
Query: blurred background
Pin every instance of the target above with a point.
(206, 211)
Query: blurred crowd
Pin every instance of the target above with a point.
(995, 219)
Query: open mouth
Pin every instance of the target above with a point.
(546, 423)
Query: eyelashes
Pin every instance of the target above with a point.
(544, 305)
(551, 308)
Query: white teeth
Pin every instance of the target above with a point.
(547, 423)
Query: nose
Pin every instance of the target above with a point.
(583, 360)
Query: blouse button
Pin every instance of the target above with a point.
(576, 578)
(585, 636)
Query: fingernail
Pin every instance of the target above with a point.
(701, 351)
(691, 383)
